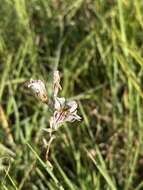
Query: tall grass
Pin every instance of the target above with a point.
(97, 46)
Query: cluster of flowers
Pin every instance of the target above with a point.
(63, 110)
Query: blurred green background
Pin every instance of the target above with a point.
(98, 47)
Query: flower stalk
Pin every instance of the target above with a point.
(62, 110)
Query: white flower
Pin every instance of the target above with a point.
(56, 83)
(64, 112)
(38, 88)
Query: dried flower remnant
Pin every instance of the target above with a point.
(37, 87)
(56, 83)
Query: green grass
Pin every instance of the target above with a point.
(97, 46)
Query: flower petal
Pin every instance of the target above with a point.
(57, 119)
(59, 116)
(72, 105)
(59, 103)
(72, 117)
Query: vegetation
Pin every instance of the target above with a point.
(97, 46)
